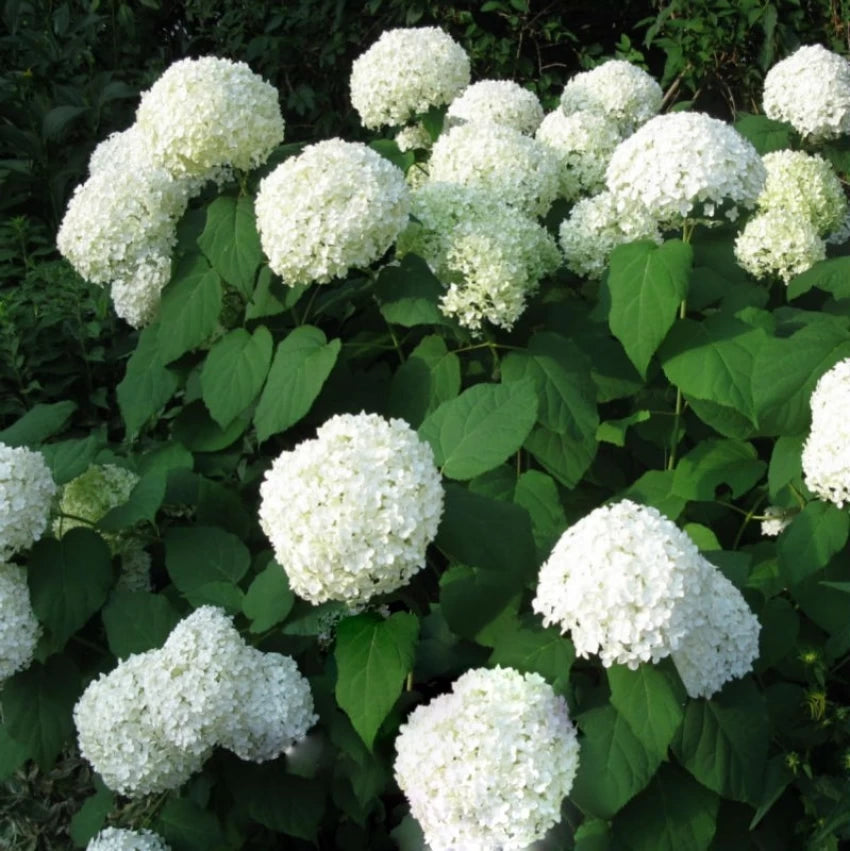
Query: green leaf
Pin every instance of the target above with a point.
(655, 488)
(231, 243)
(197, 430)
(188, 827)
(147, 385)
(777, 778)
(90, 818)
(12, 754)
(373, 657)
(815, 535)
(831, 276)
(388, 149)
(137, 621)
(674, 813)
(614, 431)
(234, 372)
(786, 462)
(472, 598)
(409, 293)
(142, 504)
(71, 458)
(647, 284)
(38, 705)
(593, 835)
(481, 428)
(765, 134)
(300, 367)
(196, 556)
(58, 118)
(408, 835)
(714, 462)
(37, 424)
(614, 764)
(269, 599)
(723, 741)
(69, 581)
(532, 649)
(538, 494)
(190, 307)
(647, 700)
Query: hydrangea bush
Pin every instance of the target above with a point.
(473, 490)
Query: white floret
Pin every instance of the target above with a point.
(120, 839)
(26, 496)
(19, 627)
(498, 101)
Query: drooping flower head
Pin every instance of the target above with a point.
(497, 101)
(811, 91)
(26, 494)
(406, 72)
(350, 512)
(487, 765)
(19, 628)
(119, 839)
(336, 206)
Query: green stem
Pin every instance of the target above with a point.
(751, 515)
(677, 412)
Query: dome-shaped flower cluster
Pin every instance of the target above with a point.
(488, 765)
(524, 172)
(775, 520)
(632, 587)
(413, 137)
(336, 206)
(617, 89)
(686, 165)
(26, 495)
(205, 113)
(149, 724)
(19, 628)
(406, 72)
(811, 91)
(497, 101)
(119, 839)
(351, 512)
(826, 452)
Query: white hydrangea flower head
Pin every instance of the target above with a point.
(350, 513)
(778, 244)
(202, 114)
(26, 495)
(617, 580)
(686, 165)
(804, 185)
(487, 765)
(723, 637)
(776, 520)
(136, 295)
(406, 72)
(119, 839)
(413, 137)
(616, 88)
(596, 226)
(119, 738)
(810, 90)
(497, 101)
(274, 707)
(336, 206)
(498, 159)
(584, 142)
(826, 452)
(19, 627)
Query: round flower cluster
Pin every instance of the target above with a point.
(337, 206)
(406, 72)
(810, 90)
(489, 255)
(488, 765)
(19, 628)
(149, 724)
(776, 519)
(351, 512)
(525, 173)
(209, 112)
(826, 452)
(632, 587)
(616, 88)
(413, 137)
(776, 243)
(584, 142)
(26, 493)
(596, 226)
(118, 839)
(686, 165)
(497, 101)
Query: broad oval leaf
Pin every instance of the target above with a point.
(269, 599)
(196, 556)
(37, 424)
(137, 621)
(815, 535)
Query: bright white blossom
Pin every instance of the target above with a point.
(487, 765)
(336, 206)
(406, 72)
(525, 173)
(202, 114)
(413, 137)
(810, 90)
(351, 512)
(616, 88)
(119, 839)
(826, 452)
(497, 101)
(19, 628)
(776, 519)
(596, 226)
(584, 143)
(26, 495)
(778, 243)
(686, 165)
